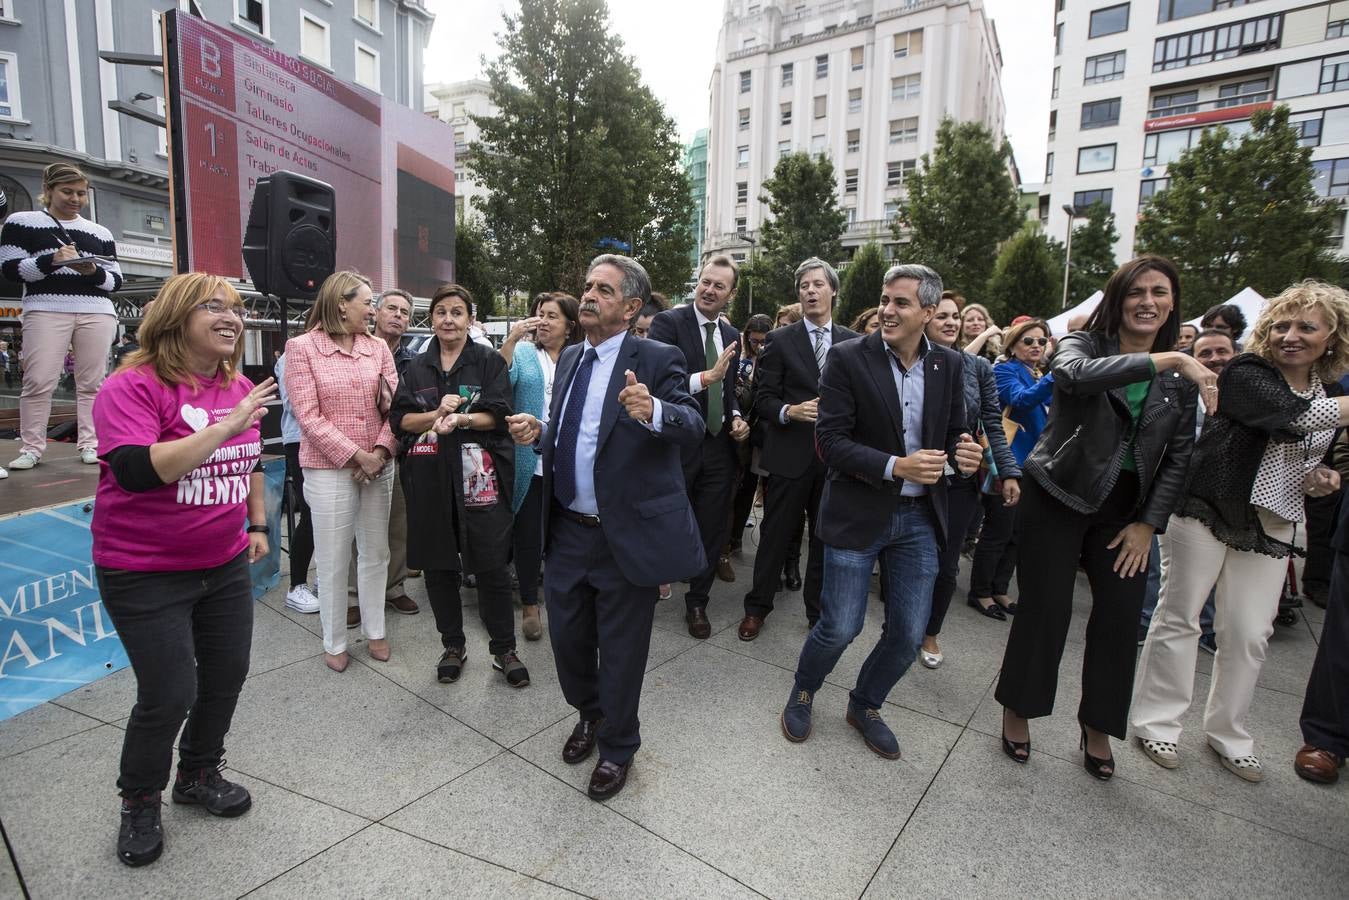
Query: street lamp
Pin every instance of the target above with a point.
(752, 244)
(1068, 250)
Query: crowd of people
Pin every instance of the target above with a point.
(613, 448)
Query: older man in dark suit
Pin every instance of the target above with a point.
(618, 522)
(788, 395)
(891, 423)
(710, 348)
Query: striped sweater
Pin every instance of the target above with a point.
(27, 243)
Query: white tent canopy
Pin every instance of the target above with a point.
(1250, 303)
(1059, 324)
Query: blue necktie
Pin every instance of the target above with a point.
(564, 460)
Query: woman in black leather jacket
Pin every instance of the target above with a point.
(1104, 476)
(982, 409)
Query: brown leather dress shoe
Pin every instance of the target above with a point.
(699, 627)
(404, 604)
(749, 627)
(608, 779)
(725, 571)
(582, 741)
(1315, 764)
(353, 616)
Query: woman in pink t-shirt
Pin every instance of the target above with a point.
(179, 442)
(340, 382)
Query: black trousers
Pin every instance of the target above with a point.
(962, 499)
(301, 547)
(600, 627)
(188, 636)
(743, 503)
(494, 607)
(995, 554)
(527, 542)
(709, 476)
(1325, 711)
(1056, 538)
(784, 500)
(1322, 515)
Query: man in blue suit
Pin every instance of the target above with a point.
(891, 428)
(711, 350)
(618, 522)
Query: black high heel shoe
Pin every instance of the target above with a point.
(1018, 751)
(1094, 765)
(993, 610)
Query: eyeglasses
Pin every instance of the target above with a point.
(1031, 342)
(216, 308)
(760, 343)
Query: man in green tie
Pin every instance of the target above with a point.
(711, 351)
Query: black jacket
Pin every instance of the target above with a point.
(1080, 452)
(444, 532)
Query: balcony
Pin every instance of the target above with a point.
(1223, 109)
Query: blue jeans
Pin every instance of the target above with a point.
(908, 555)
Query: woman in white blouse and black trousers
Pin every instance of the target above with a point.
(1256, 459)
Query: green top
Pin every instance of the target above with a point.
(1137, 393)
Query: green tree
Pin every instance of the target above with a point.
(1093, 253)
(961, 205)
(804, 221)
(1027, 279)
(861, 288)
(580, 150)
(473, 266)
(1241, 213)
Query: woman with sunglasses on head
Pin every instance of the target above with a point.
(1105, 475)
(1024, 392)
(180, 441)
(340, 381)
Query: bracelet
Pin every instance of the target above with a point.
(259, 529)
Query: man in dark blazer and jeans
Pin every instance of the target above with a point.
(788, 376)
(617, 523)
(711, 350)
(891, 429)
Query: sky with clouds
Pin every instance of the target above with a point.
(675, 46)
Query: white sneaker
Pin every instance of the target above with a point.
(3, 472)
(89, 456)
(24, 460)
(301, 599)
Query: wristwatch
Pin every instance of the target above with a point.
(259, 529)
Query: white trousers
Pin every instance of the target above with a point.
(1248, 589)
(341, 509)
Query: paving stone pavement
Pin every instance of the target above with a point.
(382, 782)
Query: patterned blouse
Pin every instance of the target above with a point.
(1284, 465)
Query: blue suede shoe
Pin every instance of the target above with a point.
(875, 733)
(796, 717)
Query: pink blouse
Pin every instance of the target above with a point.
(334, 396)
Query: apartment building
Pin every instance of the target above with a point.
(1136, 83)
(453, 103)
(865, 82)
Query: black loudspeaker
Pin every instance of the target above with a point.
(290, 244)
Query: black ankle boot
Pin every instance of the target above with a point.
(141, 838)
(208, 788)
(791, 576)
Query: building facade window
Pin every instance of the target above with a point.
(741, 223)
(906, 87)
(314, 44)
(857, 58)
(745, 80)
(742, 192)
(855, 100)
(1165, 147)
(1084, 199)
(1058, 39)
(367, 13)
(784, 148)
(854, 140)
(1175, 104)
(1049, 167)
(1330, 177)
(741, 156)
(1100, 158)
(903, 131)
(1151, 187)
(1109, 20)
(908, 43)
(817, 144)
(1054, 85)
(1236, 94)
(788, 74)
(10, 106)
(898, 172)
(850, 181)
(1053, 123)
(1100, 113)
(1167, 10)
(822, 66)
(821, 106)
(742, 122)
(1218, 42)
(785, 114)
(253, 15)
(1334, 76)
(891, 210)
(1103, 68)
(1337, 28)
(367, 66)
(1308, 132)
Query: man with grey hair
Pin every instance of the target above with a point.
(788, 377)
(892, 430)
(617, 520)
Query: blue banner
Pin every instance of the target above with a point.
(54, 632)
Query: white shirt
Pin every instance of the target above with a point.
(696, 379)
(811, 328)
(549, 367)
